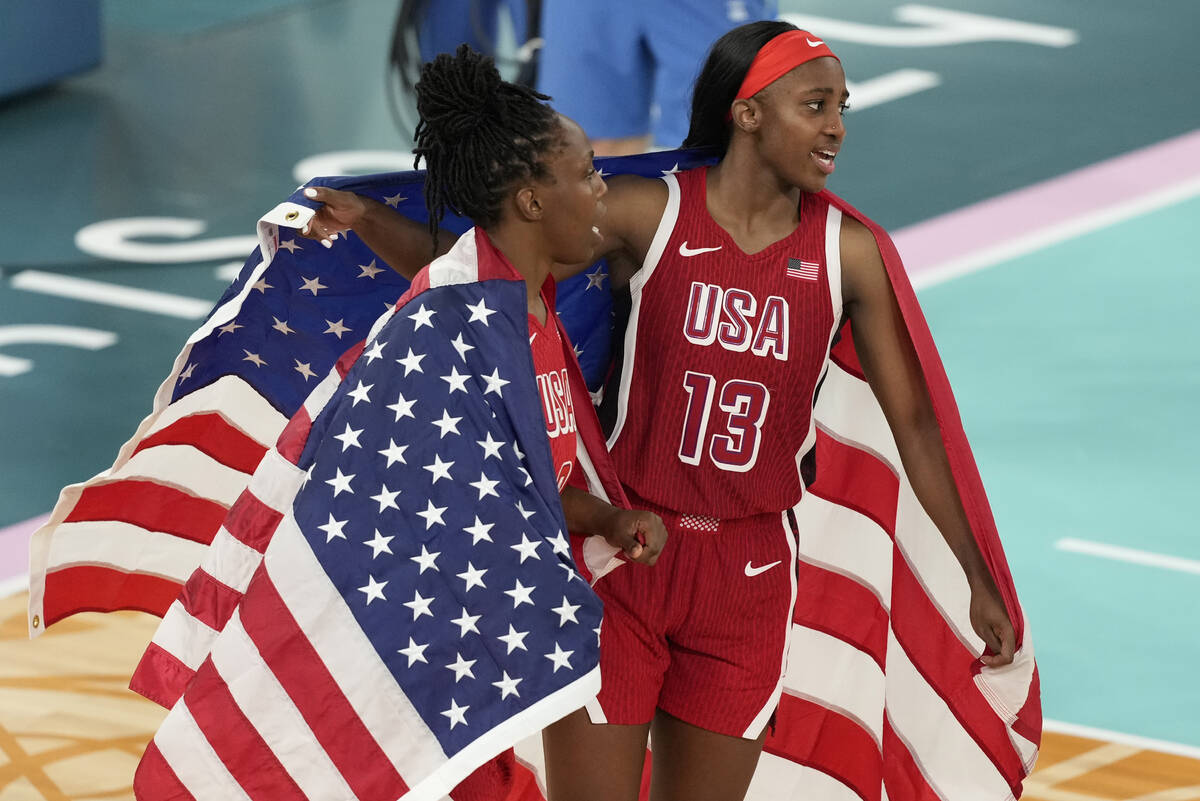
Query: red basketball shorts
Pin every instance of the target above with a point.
(703, 634)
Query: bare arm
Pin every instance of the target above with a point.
(640, 534)
(404, 244)
(894, 373)
(635, 206)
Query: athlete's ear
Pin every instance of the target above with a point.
(528, 204)
(746, 113)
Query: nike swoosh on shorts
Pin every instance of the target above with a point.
(751, 570)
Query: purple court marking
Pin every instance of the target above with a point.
(1051, 203)
(14, 546)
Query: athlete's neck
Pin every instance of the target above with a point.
(529, 258)
(745, 194)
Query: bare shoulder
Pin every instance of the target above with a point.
(858, 243)
(636, 188)
(862, 264)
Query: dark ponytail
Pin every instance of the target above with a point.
(722, 74)
(478, 135)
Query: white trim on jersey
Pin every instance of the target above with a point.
(833, 265)
(666, 226)
(833, 274)
(763, 717)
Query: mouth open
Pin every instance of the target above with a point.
(601, 211)
(823, 157)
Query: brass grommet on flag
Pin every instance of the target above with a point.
(291, 215)
(37, 621)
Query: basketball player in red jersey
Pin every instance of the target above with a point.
(739, 277)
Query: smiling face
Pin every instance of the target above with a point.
(571, 198)
(800, 126)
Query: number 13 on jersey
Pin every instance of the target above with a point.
(744, 404)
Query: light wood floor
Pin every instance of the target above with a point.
(70, 730)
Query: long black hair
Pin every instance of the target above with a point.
(477, 135)
(721, 76)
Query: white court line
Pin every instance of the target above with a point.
(65, 286)
(1043, 781)
(1044, 238)
(70, 336)
(1146, 743)
(1133, 555)
(227, 272)
(13, 585)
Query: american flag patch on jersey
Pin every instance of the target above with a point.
(804, 270)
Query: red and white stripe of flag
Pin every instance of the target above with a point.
(213, 590)
(129, 537)
(880, 588)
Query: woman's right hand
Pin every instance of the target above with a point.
(341, 212)
(638, 533)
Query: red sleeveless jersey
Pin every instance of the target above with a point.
(550, 367)
(722, 357)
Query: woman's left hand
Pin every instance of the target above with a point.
(990, 620)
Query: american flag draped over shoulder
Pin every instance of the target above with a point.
(884, 697)
(417, 609)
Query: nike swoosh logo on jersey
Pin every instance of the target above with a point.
(532, 337)
(685, 251)
(811, 43)
(751, 570)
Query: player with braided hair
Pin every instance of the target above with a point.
(495, 152)
(498, 153)
(477, 135)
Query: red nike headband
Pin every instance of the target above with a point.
(779, 56)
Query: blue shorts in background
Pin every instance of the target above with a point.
(445, 24)
(625, 68)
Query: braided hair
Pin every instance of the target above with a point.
(721, 76)
(478, 135)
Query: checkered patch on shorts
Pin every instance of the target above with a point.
(700, 523)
